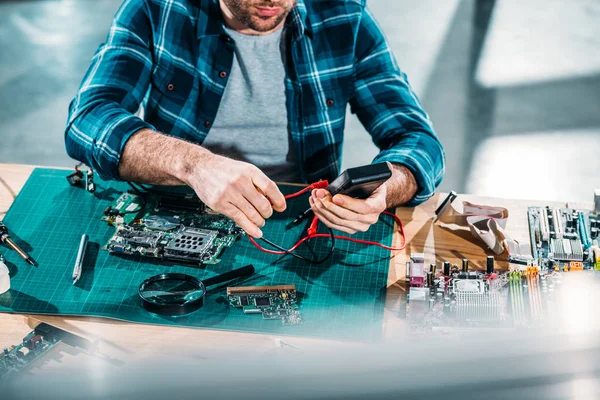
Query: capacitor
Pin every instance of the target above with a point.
(465, 265)
(597, 201)
(407, 275)
(490, 265)
(432, 269)
(446, 268)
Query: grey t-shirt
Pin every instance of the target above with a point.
(251, 124)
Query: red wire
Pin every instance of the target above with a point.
(291, 196)
(327, 235)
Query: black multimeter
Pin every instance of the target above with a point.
(358, 182)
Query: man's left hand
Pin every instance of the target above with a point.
(347, 214)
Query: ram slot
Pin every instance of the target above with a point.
(557, 221)
(544, 225)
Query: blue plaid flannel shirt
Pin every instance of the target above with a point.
(174, 57)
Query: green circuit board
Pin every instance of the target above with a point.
(178, 229)
(273, 302)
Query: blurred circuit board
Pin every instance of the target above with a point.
(17, 358)
(562, 237)
(179, 229)
(273, 302)
(454, 299)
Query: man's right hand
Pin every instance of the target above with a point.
(233, 188)
(236, 189)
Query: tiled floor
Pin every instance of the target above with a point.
(512, 87)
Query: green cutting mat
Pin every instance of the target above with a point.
(343, 298)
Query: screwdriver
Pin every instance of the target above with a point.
(4, 238)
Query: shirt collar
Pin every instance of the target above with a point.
(210, 19)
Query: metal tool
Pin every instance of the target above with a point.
(5, 238)
(80, 257)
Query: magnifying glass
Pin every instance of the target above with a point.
(178, 294)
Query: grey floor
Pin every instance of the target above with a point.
(513, 87)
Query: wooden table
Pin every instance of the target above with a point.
(125, 340)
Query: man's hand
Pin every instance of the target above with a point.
(238, 190)
(347, 214)
(351, 215)
(233, 188)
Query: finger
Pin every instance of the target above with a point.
(329, 224)
(269, 189)
(337, 221)
(348, 215)
(376, 203)
(258, 201)
(248, 209)
(242, 220)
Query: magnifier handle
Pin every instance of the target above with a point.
(227, 276)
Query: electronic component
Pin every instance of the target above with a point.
(465, 265)
(417, 270)
(76, 178)
(446, 268)
(15, 359)
(490, 265)
(360, 182)
(273, 302)
(90, 186)
(181, 231)
(597, 201)
(570, 238)
(431, 275)
(584, 232)
(557, 223)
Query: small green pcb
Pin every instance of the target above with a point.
(273, 302)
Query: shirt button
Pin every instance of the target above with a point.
(170, 87)
(330, 102)
(222, 74)
(208, 124)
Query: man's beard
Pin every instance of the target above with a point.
(241, 11)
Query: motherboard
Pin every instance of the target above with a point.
(457, 298)
(178, 229)
(273, 302)
(564, 238)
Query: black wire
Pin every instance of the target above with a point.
(294, 254)
(286, 251)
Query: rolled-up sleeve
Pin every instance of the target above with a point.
(101, 116)
(391, 112)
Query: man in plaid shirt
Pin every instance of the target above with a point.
(226, 96)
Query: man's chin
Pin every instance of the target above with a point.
(264, 24)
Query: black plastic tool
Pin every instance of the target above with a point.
(359, 182)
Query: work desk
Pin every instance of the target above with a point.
(125, 340)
